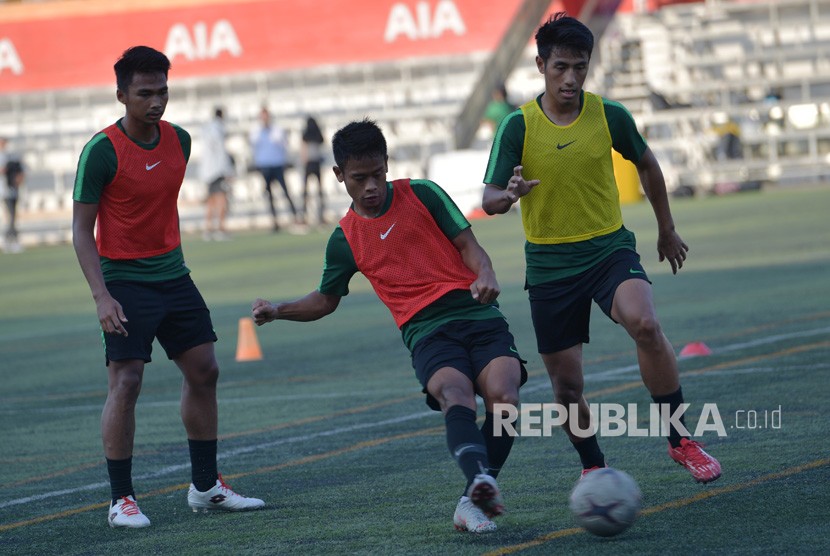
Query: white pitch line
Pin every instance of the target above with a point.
(225, 454)
(771, 339)
(222, 400)
(718, 351)
(331, 432)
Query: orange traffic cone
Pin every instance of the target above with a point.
(247, 345)
(695, 348)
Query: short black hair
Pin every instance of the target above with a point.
(562, 32)
(139, 59)
(358, 140)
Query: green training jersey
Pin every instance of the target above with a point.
(340, 266)
(97, 168)
(546, 262)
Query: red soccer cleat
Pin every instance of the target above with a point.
(703, 467)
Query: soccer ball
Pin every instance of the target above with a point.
(606, 501)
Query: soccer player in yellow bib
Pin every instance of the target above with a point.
(554, 153)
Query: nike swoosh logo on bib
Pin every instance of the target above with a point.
(386, 233)
(149, 167)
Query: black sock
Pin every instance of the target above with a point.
(498, 447)
(674, 401)
(589, 452)
(465, 442)
(121, 478)
(203, 464)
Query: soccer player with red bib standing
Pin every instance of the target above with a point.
(128, 180)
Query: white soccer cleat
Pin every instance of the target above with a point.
(484, 493)
(469, 517)
(125, 513)
(221, 499)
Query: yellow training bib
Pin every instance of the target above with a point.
(577, 197)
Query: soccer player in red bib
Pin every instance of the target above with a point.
(554, 153)
(417, 250)
(128, 181)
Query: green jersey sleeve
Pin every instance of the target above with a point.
(339, 265)
(440, 205)
(625, 137)
(506, 152)
(96, 168)
(184, 139)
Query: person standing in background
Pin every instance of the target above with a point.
(311, 158)
(13, 177)
(498, 108)
(216, 170)
(270, 153)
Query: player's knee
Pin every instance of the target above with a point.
(567, 392)
(127, 387)
(451, 395)
(206, 377)
(508, 395)
(647, 333)
(211, 375)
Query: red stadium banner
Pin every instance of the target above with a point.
(57, 45)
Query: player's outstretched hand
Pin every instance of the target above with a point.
(670, 247)
(263, 311)
(518, 187)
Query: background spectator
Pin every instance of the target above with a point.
(311, 157)
(12, 181)
(270, 151)
(216, 170)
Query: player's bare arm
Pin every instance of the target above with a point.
(498, 201)
(110, 313)
(313, 306)
(669, 244)
(485, 288)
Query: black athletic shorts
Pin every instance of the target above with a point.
(561, 310)
(172, 311)
(466, 345)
